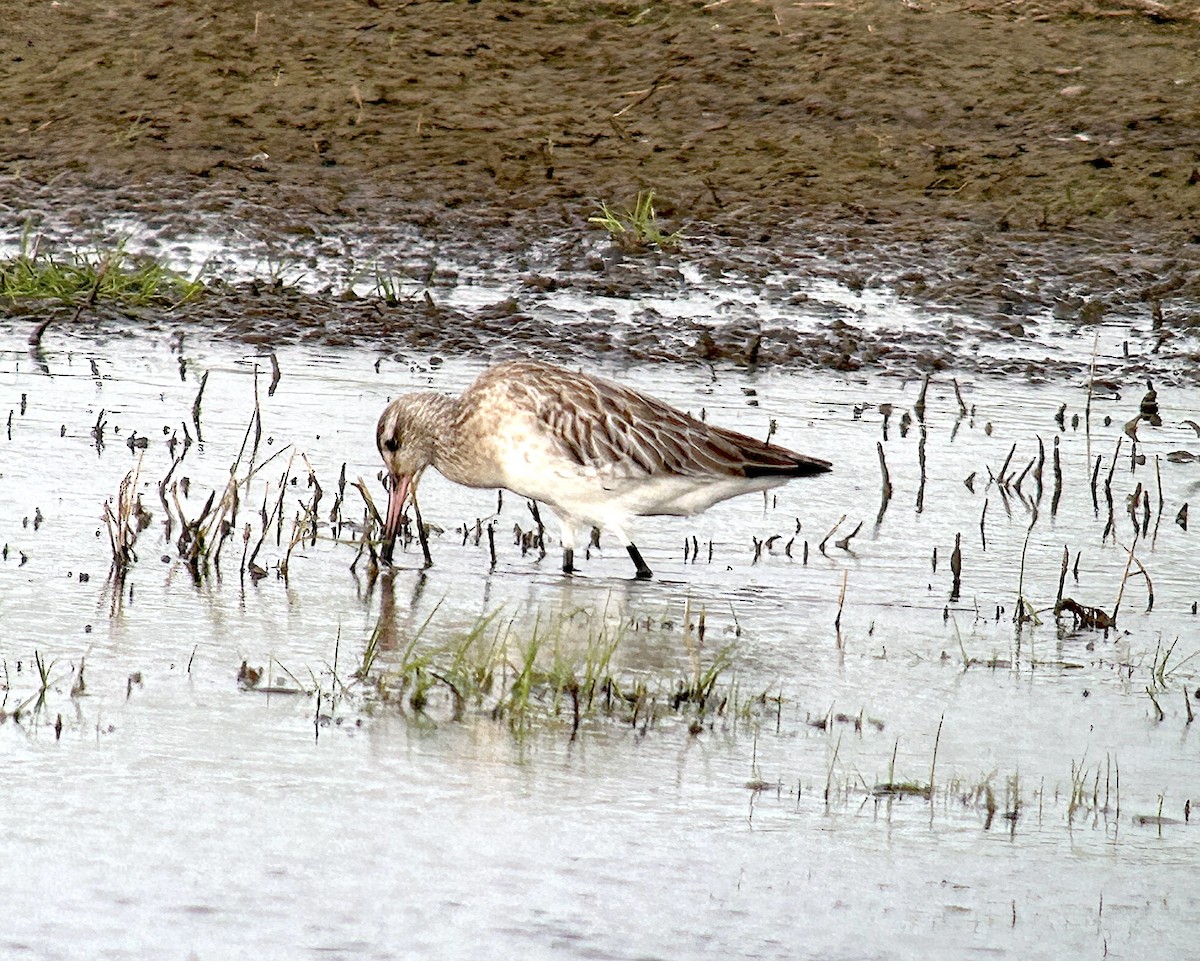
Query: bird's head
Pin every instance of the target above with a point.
(406, 438)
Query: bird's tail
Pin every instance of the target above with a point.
(760, 459)
(798, 465)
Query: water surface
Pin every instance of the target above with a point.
(164, 806)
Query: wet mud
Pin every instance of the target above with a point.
(997, 167)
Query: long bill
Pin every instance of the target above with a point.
(401, 485)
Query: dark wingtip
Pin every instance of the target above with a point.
(800, 467)
(814, 465)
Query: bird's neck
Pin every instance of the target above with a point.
(434, 420)
(428, 427)
(462, 446)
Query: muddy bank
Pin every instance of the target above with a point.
(1005, 162)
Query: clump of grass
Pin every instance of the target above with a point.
(561, 673)
(1160, 673)
(1094, 789)
(390, 289)
(125, 520)
(114, 276)
(893, 788)
(636, 227)
(203, 536)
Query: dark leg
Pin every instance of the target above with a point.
(568, 560)
(643, 572)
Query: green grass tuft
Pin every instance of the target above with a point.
(636, 228)
(562, 672)
(114, 276)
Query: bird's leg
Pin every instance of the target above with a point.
(567, 537)
(643, 571)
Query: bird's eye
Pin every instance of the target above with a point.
(391, 445)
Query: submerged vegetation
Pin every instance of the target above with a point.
(564, 671)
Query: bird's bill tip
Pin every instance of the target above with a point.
(401, 485)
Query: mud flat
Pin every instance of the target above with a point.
(998, 166)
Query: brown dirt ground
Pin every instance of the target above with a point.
(925, 146)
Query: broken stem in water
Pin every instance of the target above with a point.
(422, 534)
(933, 764)
(837, 621)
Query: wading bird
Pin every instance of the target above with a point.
(596, 453)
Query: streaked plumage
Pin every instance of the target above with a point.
(596, 453)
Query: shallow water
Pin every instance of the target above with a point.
(175, 808)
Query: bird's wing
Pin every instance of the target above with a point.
(622, 432)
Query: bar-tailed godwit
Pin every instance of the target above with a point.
(596, 453)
